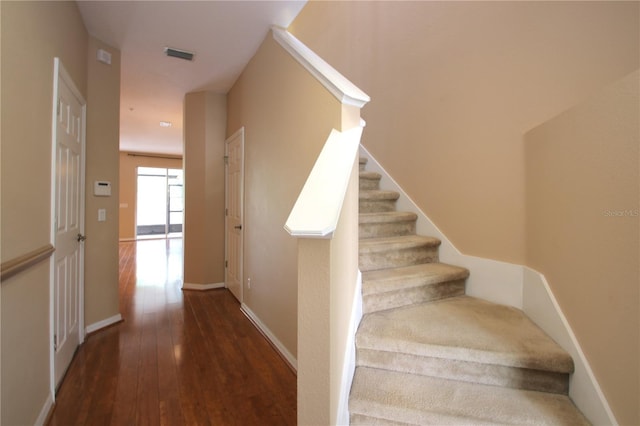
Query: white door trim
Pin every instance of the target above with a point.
(60, 73)
(239, 133)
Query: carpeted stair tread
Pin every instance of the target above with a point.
(378, 194)
(410, 276)
(370, 175)
(396, 251)
(393, 398)
(397, 287)
(386, 224)
(464, 329)
(387, 217)
(369, 180)
(372, 245)
(376, 200)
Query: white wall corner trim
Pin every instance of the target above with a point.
(492, 280)
(266, 332)
(349, 366)
(201, 287)
(44, 412)
(102, 324)
(317, 209)
(542, 307)
(339, 86)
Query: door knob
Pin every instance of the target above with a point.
(238, 227)
(81, 237)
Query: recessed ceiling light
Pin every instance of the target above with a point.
(165, 124)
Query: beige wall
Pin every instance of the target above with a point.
(32, 35)
(583, 189)
(128, 182)
(204, 134)
(287, 117)
(455, 85)
(103, 139)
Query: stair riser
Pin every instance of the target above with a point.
(368, 184)
(511, 377)
(387, 229)
(377, 206)
(425, 293)
(397, 258)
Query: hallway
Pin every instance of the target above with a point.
(178, 358)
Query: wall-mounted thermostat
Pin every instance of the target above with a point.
(102, 188)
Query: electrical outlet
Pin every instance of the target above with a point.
(249, 283)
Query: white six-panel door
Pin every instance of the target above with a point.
(68, 222)
(234, 148)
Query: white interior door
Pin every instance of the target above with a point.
(68, 221)
(234, 171)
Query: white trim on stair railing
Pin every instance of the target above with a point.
(344, 90)
(318, 207)
(517, 286)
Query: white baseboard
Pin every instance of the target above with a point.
(44, 412)
(293, 362)
(349, 366)
(201, 287)
(495, 281)
(542, 307)
(102, 324)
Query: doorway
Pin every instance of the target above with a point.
(234, 213)
(160, 202)
(67, 213)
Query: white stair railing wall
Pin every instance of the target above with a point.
(324, 219)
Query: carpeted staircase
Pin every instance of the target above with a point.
(429, 354)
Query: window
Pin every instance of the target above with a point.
(160, 202)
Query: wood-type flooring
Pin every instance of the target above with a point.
(178, 358)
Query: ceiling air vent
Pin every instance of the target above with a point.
(181, 54)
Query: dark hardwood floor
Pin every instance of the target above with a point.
(178, 358)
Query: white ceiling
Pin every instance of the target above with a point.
(224, 35)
